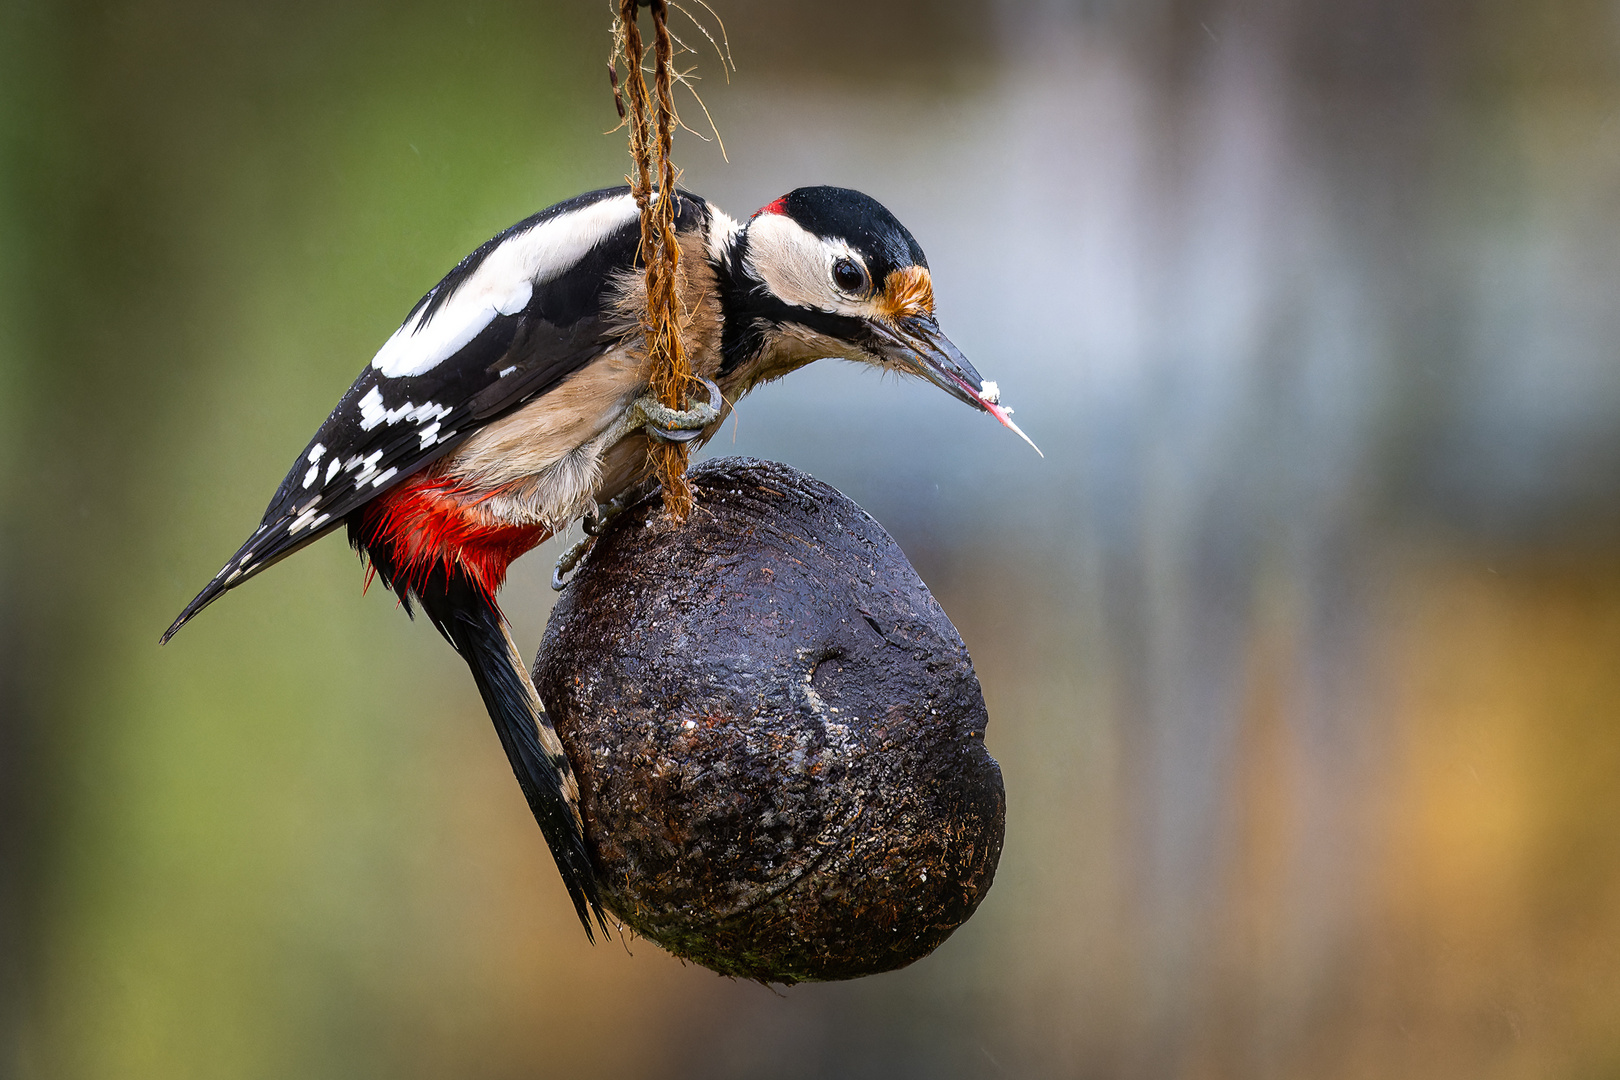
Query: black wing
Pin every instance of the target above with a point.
(509, 323)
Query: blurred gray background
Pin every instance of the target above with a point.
(1301, 645)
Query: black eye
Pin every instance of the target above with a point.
(848, 276)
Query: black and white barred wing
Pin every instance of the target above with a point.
(510, 322)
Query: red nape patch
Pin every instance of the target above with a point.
(433, 522)
(777, 207)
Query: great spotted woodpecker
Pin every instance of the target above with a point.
(512, 401)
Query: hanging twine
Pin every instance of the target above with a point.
(650, 138)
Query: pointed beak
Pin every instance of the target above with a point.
(915, 344)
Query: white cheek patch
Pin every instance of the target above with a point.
(502, 285)
(796, 265)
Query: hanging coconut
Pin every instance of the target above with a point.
(779, 735)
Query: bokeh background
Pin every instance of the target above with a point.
(1301, 645)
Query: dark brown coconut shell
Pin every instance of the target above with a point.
(778, 733)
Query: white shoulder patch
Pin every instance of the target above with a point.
(501, 285)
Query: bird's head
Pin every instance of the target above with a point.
(828, 272)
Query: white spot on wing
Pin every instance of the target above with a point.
(305, 518)
(332, 469)
(427, 411)
(502, 285)
(315, 453)
(369, 468)
(311, 476)
(385, 476)
(373, 411)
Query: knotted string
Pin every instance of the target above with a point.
(651, 135)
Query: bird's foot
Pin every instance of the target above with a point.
(568, 560)
(678, 425)
(595, 524)
(662, 424)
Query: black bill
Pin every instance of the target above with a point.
(916, 344)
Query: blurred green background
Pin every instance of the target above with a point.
(1301, 646)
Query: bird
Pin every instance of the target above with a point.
(513, 401)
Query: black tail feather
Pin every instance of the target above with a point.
(476, 629)
(479, 633)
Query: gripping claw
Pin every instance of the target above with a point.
(568, 560)
(677, 426)
(595, 523)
